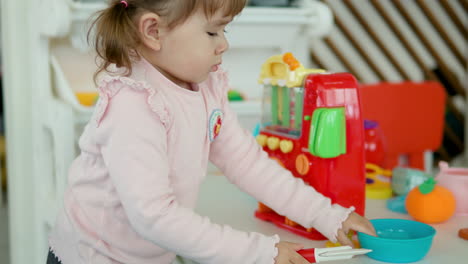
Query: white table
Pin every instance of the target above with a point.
(224, 203)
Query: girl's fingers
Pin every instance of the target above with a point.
(364, 227)
(298, 259)
(371, 230)
(346, 229)
(296, 246)
(283, 260)
(361, 224)
(287, 253)
(343, 238)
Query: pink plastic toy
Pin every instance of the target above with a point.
(456, 180)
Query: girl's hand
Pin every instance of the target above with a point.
(357, 223)
(287, 253)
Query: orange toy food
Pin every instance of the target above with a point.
(289, 59)
(430, 203)
(463, 233)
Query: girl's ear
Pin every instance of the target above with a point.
(149, 25)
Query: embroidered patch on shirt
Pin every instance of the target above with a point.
(215, 122)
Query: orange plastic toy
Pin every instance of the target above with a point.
(411, 116)
(87, 98)
(430, 203)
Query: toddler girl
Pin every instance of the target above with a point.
(162, 115)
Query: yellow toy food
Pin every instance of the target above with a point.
(87, 98)
(378, 182)
(430, 203)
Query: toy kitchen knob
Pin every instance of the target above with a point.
(262, 140)
(273, 143)
(286, 146)
(302, 164)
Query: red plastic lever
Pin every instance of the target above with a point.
(308, 254)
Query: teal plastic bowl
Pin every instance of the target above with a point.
(398, 241)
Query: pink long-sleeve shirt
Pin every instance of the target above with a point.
(132, 190)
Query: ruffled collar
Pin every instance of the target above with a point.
(143, 77)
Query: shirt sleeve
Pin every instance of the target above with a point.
(236, 153)
(134, 150)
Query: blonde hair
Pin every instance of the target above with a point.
(116, 36)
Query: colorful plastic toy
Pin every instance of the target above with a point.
(430, 203)
(405, 179)
(378, 182)
(317, 255)
(463, 233)
(234, 95)
(374, 143)
(456, 180)
(398, 240)
(411, 116)
(397, 204)
(313, 127)
(87, 98)
(351, 235)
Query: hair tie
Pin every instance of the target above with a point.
(124, 3)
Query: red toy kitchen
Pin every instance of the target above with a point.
(312, 126)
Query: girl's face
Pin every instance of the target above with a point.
(190, 51)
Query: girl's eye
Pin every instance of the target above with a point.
(214, 34)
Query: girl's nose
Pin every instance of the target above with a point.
(223, 46)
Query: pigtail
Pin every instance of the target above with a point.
(115, 36)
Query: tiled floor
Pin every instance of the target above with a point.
(4, 247)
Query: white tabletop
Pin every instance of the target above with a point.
(224, 203)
